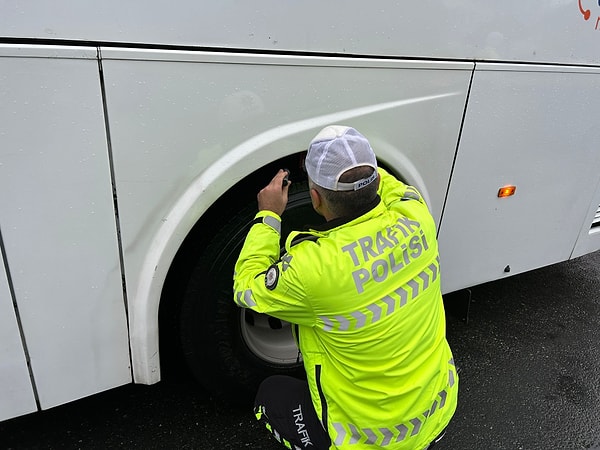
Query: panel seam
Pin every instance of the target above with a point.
(13, 296)
(460, 132)
(115, 199)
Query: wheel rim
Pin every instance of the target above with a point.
(268, 338)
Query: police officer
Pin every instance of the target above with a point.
(364, 293)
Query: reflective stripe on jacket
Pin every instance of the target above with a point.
(366, 296)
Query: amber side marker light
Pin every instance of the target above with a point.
(506, 191)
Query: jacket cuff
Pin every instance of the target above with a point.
(268, 218)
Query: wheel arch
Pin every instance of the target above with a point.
(204, 199)
(396, 161)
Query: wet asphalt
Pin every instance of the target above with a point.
(529, 357)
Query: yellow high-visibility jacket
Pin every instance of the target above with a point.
(365, 294)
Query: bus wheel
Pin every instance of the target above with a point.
(230, 350)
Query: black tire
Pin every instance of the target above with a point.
(228, 349)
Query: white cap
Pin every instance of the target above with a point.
(335, 150)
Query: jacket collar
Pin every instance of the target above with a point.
(334, 223)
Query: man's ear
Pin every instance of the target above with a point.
(316, 199)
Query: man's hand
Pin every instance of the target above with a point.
(274, 196)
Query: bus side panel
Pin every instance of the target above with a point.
(535, 128)
(58, 222)
(15, 386)
(185, 127)
(510, 30)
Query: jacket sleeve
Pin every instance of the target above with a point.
(265, 283)
(392, 190)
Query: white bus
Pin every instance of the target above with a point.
(135, 135)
